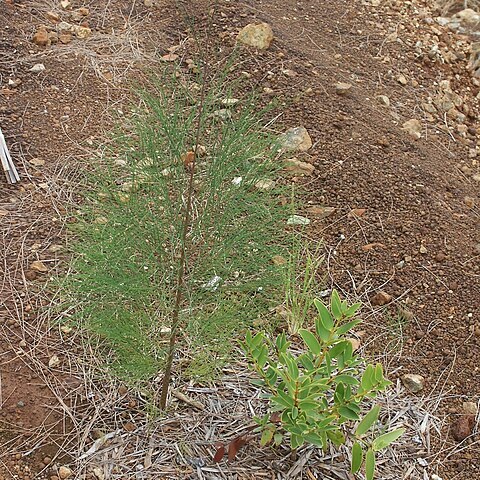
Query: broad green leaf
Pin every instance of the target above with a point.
(277, 438)
(336, 436)
(336, 305)
(350, 312)
(346, 327)
(337, 349)
(287, 400)
(368, 420)
(258, 339)
(367, 378)
(311, 341)
(292, 367)
(258, 382)
(348, 413)
(308, 405)
(305, 361)
(322, 332)
(348, 353)
(353, 406)
(325, 422)
(263, 356)
(281, 342)
(325, 317)
(386, 439)
(370, 464)
(267, 436)
(296, 441)
(346, 379)
(271, 375)
(357, 457)
(314, 439)
(282, 400)
(378, 373)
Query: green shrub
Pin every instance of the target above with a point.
(133, 231)
(316, 396)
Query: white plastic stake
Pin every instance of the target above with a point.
(7, 162)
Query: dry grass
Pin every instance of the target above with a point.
(449, 7)
(182, 444)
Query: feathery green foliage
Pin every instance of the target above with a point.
(129, 232)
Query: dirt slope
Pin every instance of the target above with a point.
(426, 235)
(414, 193)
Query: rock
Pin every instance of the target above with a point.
(38, 266)
(65, 4)
(148, 3)
(256, 35)
(413, 127)
(30, 275)
(41, 37)
(469, 201)
(381, 298)
(36, 162)
(130, 186)
(355, 343)
(356, 212)
(322, 212)
(223, 113)
(462, 427)
(413, 382)
(470, 408)
(296, 138)
(278, 260)
(423, 250)
(54, 362)
(230, 101)
(298, 220)
(53, 37)
(54, 17)
(342, 88)
(468, 17)
(265, 185)
(65, 37)
(297, 167)
(122, 390)
(82, 11)
(81, 32)
(169, 57)
(64, 473)
(402, 79)
(384, 100)
(14, 82)
(37, 68)
(371, 246)
(98, 472)
(64, 27)
(129, 427)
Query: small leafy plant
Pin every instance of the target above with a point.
(315, 395)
